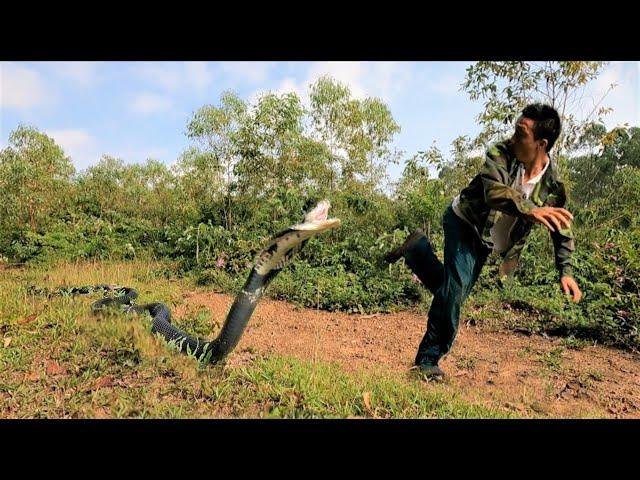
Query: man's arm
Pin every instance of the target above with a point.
(498, 194)
(564, 246)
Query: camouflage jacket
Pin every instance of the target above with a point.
(489, 195)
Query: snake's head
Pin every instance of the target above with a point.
(316, 219)
(287, 243)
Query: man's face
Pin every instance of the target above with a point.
(525, 147)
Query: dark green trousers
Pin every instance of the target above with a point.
(450, 283)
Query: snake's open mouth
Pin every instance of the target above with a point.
(317, 219)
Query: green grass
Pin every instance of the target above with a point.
(553, 359)
(69, 363)
(466, 363)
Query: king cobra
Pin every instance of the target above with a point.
(279, 250)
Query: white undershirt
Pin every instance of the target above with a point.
(501, 230)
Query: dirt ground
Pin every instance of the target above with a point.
(529, 375)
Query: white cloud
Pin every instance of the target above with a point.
(623, 98)
(198, 75)
(173, 76)
(78, 144)
(165, 76)
(289, 85)
(252, 72)
(391, 78)
(150, 103)
(447, 84)
(253, 97)
(385, 80)
(21, 87)
(80, 73)
(349, 73)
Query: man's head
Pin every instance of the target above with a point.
(537, 130)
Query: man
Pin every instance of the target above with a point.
(516, 188)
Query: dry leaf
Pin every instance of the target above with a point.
(102, 412)
(367, 400)
(102, 382)
(54, 369)
(33, 377)
(28, 319)
(7, 341)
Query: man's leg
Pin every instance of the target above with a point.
(423, 262)
(464, 256)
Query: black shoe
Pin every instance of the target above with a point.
(395, 254)
(429, 372)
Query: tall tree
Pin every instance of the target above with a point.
(215, 128)
(506, 87)
(35, 177)
(357, 132)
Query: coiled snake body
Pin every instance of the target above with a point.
(269, 262)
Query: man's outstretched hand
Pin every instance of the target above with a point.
(551, 217)
(570, 287)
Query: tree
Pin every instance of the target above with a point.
(507, 87)
(270, 145)
(622, 147)
(100, 187)
(464, 164)
(200, 183)
(216, 129)
(607, 171)
(35, 177)
(421, 198)
(153, 185)
(357, 132)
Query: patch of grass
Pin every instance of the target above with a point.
(574, 343)
(592, 375)
(525, 352)
(597, 376)
(466, 363)
(553, 359)
(69, 363)
(198, 322)
(289, 388)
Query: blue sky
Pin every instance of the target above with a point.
(139, 110)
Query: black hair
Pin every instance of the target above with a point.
(547, 124)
